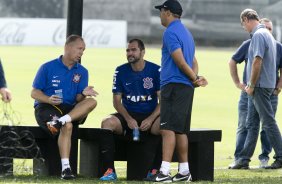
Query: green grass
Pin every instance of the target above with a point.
(215, 106)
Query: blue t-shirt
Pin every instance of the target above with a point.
(263, 45)
(176, 36)
(242, 55)
(54, 75)
(138, 89)
(278, 59)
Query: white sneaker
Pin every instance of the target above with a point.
(232, 164)
(263, 163)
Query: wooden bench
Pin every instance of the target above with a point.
(139, 156)
(46, 160)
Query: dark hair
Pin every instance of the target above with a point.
(250, 14)
(140, 43)
(73, 38)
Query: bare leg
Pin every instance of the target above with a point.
(64, 141)
(168, 144)
(82, 109)
(155, 129)
(182, 147)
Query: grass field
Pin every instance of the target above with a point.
(215, 106)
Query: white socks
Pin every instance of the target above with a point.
(184, 168)
(165, 168)
(65, 119)
(65, 163)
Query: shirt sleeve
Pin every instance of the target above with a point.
(242, 52)
(157, 81)
(117, 84)
(171, 41)
(40, 79)
(258, 45)
(279, 54)
(2, 76)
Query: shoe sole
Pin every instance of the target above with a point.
(52, 129)
(68, 178)
(187, 179)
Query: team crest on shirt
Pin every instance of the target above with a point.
(76, 78)
(54, 117)
(148, 83)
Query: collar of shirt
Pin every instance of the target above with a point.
(256, 28)
(61, 61)
(173, 22)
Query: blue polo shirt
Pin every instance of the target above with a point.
(54, 75)
(2, 76)
(263, 45)
(176, 36)
(138, 89)
(242, 55)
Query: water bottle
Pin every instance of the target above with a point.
(136, 134)
(59, 93)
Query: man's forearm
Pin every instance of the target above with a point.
(256, 68)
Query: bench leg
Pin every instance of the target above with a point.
(201, 160)
(137, 168)
(89, 158)
(6, 166)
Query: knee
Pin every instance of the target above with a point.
(92, 103)
(108, 123)
(68, 127)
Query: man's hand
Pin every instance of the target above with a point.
(241, 86)
(55, 100)
(249, 90)
(200, 81)
(89, 91)
(146, 124)
(132, 123)
(6, 95)
(276, 91)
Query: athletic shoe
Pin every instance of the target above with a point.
(240, 166)
(54, 126)
(150, 175)
(109, 175)
(263, 163)
(232, 164)
(160, 177)
(67, 174)
(277, 164)
(180, 177)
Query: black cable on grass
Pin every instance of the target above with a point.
(16, 143)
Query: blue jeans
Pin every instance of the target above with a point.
(265, 144)
(261, 107)
(241, 133)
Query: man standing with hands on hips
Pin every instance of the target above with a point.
(178, 80)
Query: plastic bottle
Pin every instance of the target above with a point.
(136, 134)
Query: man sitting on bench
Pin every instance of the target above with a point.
(60, 90)
(136, 92)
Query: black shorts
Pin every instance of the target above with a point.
(137, 116)
(176, 107)
(46, 112)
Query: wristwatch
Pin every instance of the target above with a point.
(250, 85)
